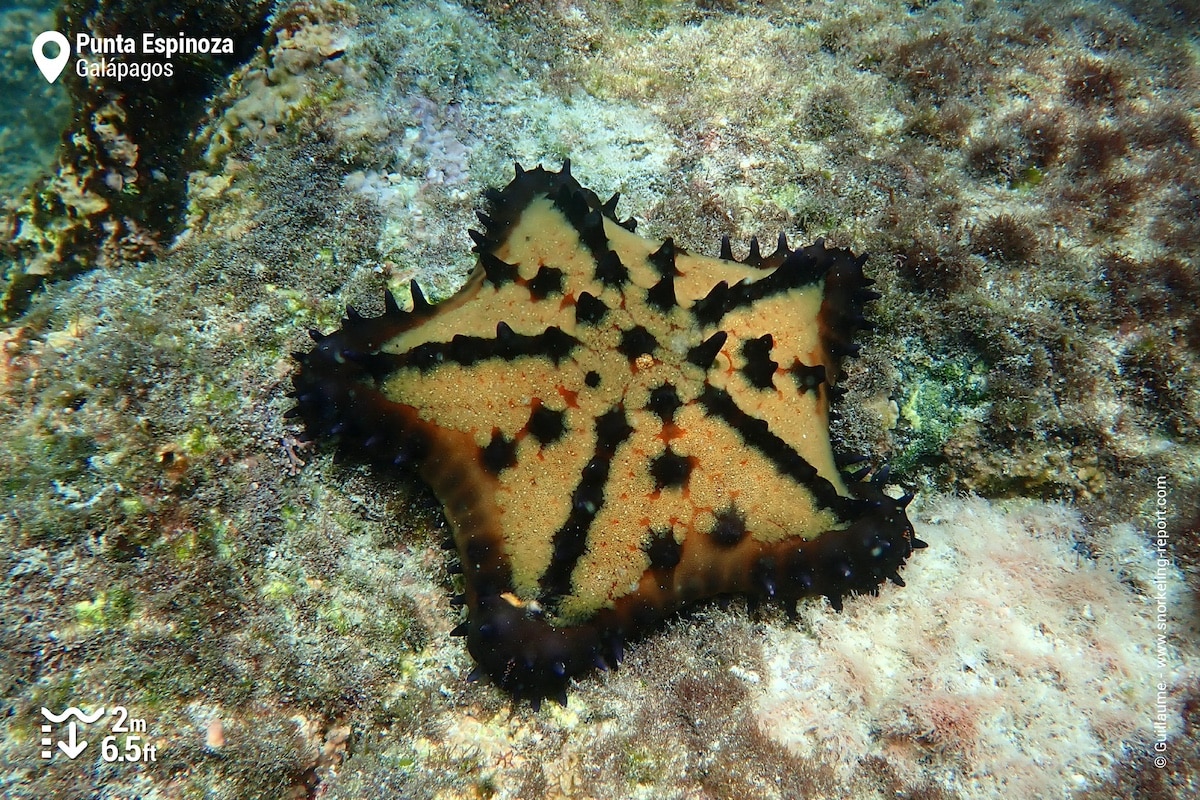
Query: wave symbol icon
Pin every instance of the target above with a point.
(73, 712)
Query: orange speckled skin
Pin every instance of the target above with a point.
(617, 428)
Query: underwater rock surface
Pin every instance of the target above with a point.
(1026, 184)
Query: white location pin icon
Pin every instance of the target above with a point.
(51, 67)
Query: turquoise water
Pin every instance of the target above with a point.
(33, 112)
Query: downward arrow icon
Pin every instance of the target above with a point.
(69, 747)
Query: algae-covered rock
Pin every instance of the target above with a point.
(115, 192)
(1025, 180)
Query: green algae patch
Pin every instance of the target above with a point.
(108, 609)
(1028, 179)
(216, 396)
(276, 591)
(198, 442)
(211, 537)
(943, 395)
(337, 617)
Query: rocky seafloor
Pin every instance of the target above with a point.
(1026, 178)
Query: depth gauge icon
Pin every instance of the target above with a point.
(73, 745)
